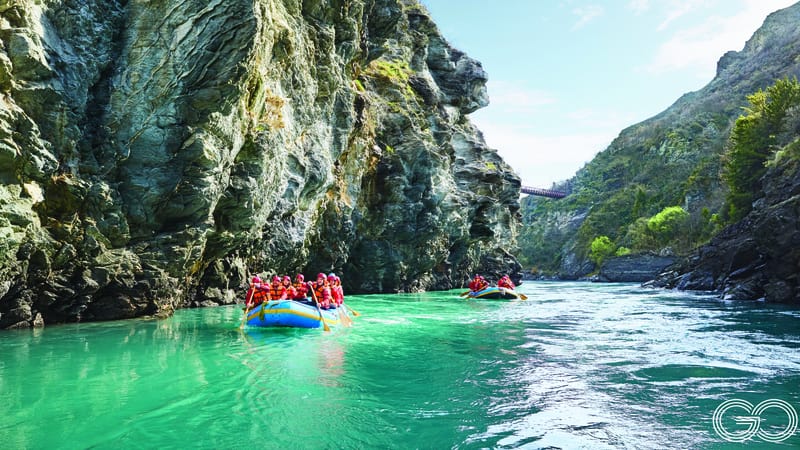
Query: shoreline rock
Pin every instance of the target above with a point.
(757, 258)
(634, 268)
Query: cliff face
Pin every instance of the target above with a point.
(759, 257)
(671, 159)
(152, 154)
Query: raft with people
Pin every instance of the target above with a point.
(295, 314)
(505, 290)
(313, 304)
(495, 293)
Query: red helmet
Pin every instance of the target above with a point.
(276, 279)
(286, 278)
(320, 275)
(300, 277)
(256, 279)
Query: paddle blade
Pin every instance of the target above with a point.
(523, 296)
(345, 318)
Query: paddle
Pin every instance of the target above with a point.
(464, 294)
(344, 318)
(246, 307)
(316, 303)
(355, 313)
(523, 296)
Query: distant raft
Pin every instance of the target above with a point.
(495, 293)
(292, 313)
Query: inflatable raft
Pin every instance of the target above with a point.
(495, 293)
(292, 313)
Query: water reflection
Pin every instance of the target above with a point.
(297, 354)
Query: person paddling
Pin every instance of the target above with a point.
(257, 293)
(474, 283)
(300, 287)
(275, 288)
(337, 296)
(286, 289)
(322, 290)
(336, 291)
(478, 283)
(505, 282)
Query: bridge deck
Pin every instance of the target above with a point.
(542, 192)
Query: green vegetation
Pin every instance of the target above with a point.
(630, 192)
(602, 248)
(668, 224)
(395, 71)
(755, 137)
(790, 152)
(669, 228)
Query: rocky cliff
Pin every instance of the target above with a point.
(671, 159)
(759, 257)
(153, 154)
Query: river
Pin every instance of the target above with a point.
(577, 365)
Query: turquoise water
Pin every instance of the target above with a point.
(577, 365)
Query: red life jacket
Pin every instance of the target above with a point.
(256, 294)
(275, 291)
(506, 283)
(321, 290)
(301, 290)
(259, 296)
(323, 293)
(286, 292)
(338, 294)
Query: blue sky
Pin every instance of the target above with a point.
(566, 76)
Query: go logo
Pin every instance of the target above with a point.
(753, 420)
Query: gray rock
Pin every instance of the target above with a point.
(634, 268)
(758, 257)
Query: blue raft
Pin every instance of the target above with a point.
(495, 293)
(291, 313)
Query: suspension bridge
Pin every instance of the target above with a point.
(549, 193)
